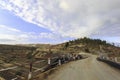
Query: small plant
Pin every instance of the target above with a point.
(19, 73)
(87, 50)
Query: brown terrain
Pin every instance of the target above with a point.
(15, 61)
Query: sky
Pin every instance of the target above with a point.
(57, 21)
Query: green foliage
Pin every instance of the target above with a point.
(29, 55)
(87, 50)
(66, 45)
(19, 73)
(85, 44)
(86, 40)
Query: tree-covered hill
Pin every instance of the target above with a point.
(94, 46)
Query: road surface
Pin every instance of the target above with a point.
(86, 69)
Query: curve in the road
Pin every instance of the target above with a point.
(86, 69)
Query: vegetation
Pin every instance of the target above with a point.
(22, 55)
(86, 40)
(66, 45)
(86, 45)
(19, 73)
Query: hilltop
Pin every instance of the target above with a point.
(93, 46)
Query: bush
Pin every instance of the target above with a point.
(87, 50)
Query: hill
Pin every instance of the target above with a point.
(94, 46)
(23, 54)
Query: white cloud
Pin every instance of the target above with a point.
(5, 28)
(46, 35)
(64, 6)
(68, 18)
(9, 35)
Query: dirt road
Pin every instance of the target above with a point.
(86, 69)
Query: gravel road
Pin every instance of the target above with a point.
(86, 69)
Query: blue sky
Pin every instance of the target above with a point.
(30, 21)
(9, 19)
(12, 21)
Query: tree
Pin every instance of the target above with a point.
(66, 45)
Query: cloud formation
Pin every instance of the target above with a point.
(9, 35)
(69, 18)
